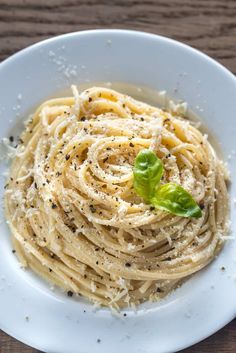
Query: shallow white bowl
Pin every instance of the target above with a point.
(48, 320)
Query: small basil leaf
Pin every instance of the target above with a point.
(173, 198)
(148, 170)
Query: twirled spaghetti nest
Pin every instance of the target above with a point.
(73, 212)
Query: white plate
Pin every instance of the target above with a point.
(203, 304)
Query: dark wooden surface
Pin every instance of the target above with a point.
(209, 25)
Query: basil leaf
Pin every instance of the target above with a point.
(173, 198)
(148, 170)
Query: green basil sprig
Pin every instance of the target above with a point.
(148, 170)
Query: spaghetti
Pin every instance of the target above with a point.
(73, 212)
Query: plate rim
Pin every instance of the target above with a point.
(115, 30)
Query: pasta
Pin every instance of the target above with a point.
(73, 212)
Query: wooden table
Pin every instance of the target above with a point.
(209, 25)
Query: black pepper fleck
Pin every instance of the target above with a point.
(159, 290)
(92, 208)
(168, 258)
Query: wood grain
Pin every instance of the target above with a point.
(208, 25)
